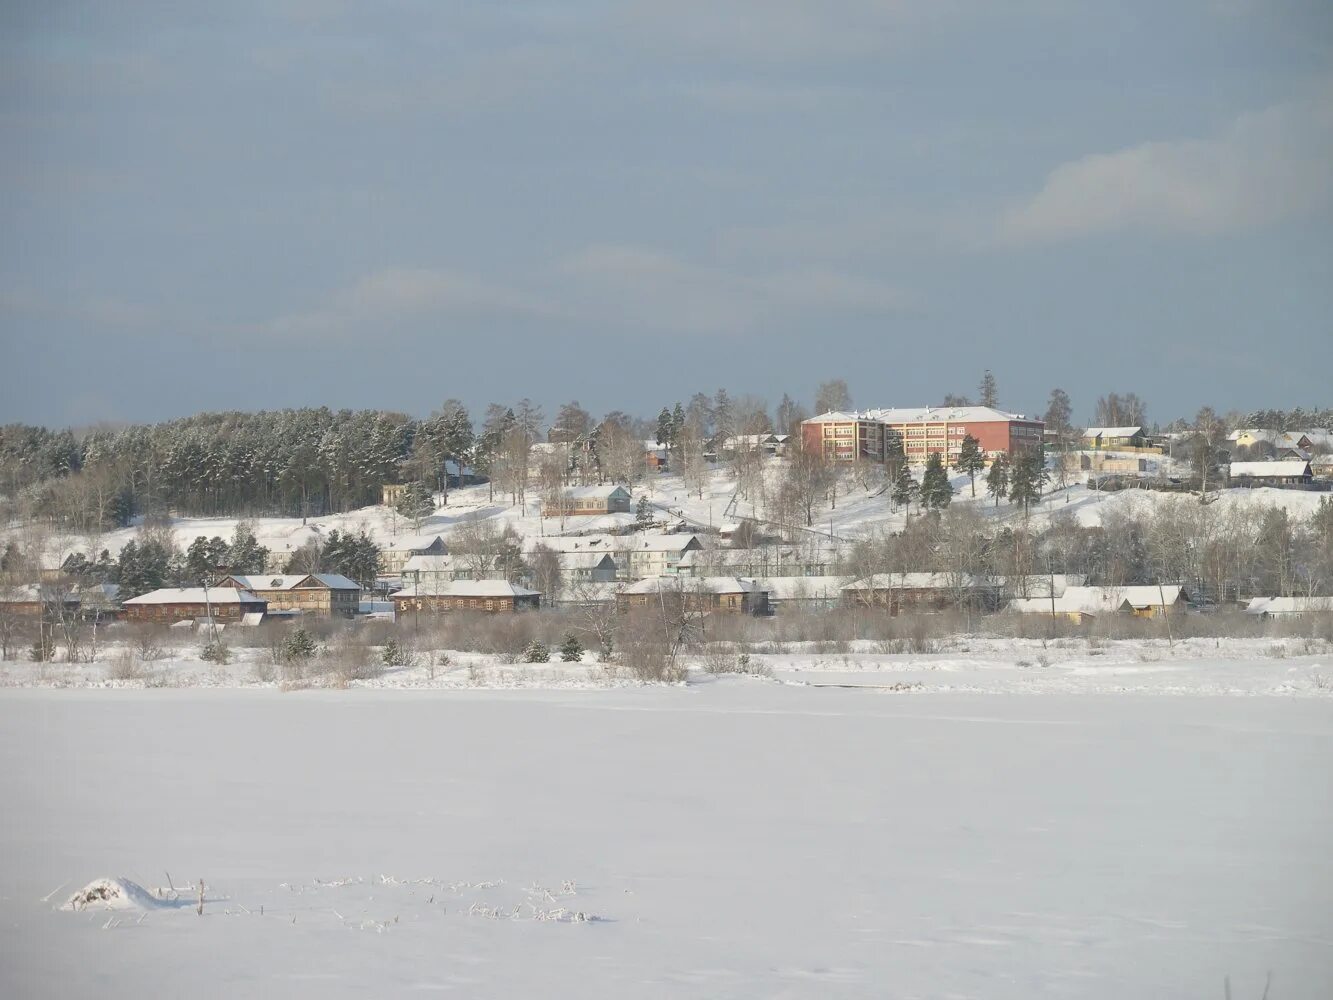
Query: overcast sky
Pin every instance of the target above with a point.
(295, 202)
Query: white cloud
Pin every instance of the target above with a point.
(646, 287)
(394, 295)
(1264, 168)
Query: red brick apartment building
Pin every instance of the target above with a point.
(859, 436)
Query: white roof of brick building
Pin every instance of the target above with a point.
(922, 415)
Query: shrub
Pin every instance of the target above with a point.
(299, 645)
(536, 651)
(124, 667)
(43, 648)
(215, 652)
(571, 650)
(395, 654)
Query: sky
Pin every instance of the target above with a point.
(291, 202)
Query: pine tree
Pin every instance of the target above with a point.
(970, 460)
(997, 480)
(1025, 482)
(936, 491)
(643, 514)
(895, 455)
(299, 646)
(905, 489)
(536, 651)
(245, 555)
(416, 502)
(571, 650)
(987, 390)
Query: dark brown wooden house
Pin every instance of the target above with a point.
(487, 596)
(174, 604)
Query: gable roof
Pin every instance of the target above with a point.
(197, 595)
(1112, 432)
(1257, 470)
(593, 492)
(415, 543)
(695, 585)
(919, 581)
(1289, 605)
(1139, 597)
(468, 588)
(293, 581)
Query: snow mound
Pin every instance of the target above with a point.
(112, 894)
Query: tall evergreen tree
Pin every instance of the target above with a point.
(970, 460)
(1027, 477)
(997, 480)
(416, 502)
(905, 489)
(988, 391)
(895, 455)
(936, 490)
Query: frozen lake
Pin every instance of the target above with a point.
(727, 839)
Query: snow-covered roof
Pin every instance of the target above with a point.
(413, 543)
(290, 581)
(569, 543)
(1040, 584)
(467, 588)
(1292, 467)
(1289, 605)
(593, 492)
(1139, 596)
(431, 562)
(1064, 605)
(585, 560)
(764, 556)
(918, 581)
(695, 585)
(655, 543)
(28, 593)
(1112, 432)
(197, 595)
(922, 415)
(795, 588)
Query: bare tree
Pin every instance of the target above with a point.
(833, 395)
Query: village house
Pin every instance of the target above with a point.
(712, 594)
(394, 555)
(1115, 438)
(761, 561)
(433, 569)
(590, 567)
(646, 555)
(175, 604)
(1289, 607)
(655, 456)
(33, 600)
(486, 596)
(1141, 601)
(326, 594)
(1288, 473)
(922, 592)
(588, 500)
(790, 594)
(1038, 584)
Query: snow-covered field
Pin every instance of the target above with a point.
(733, 837)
